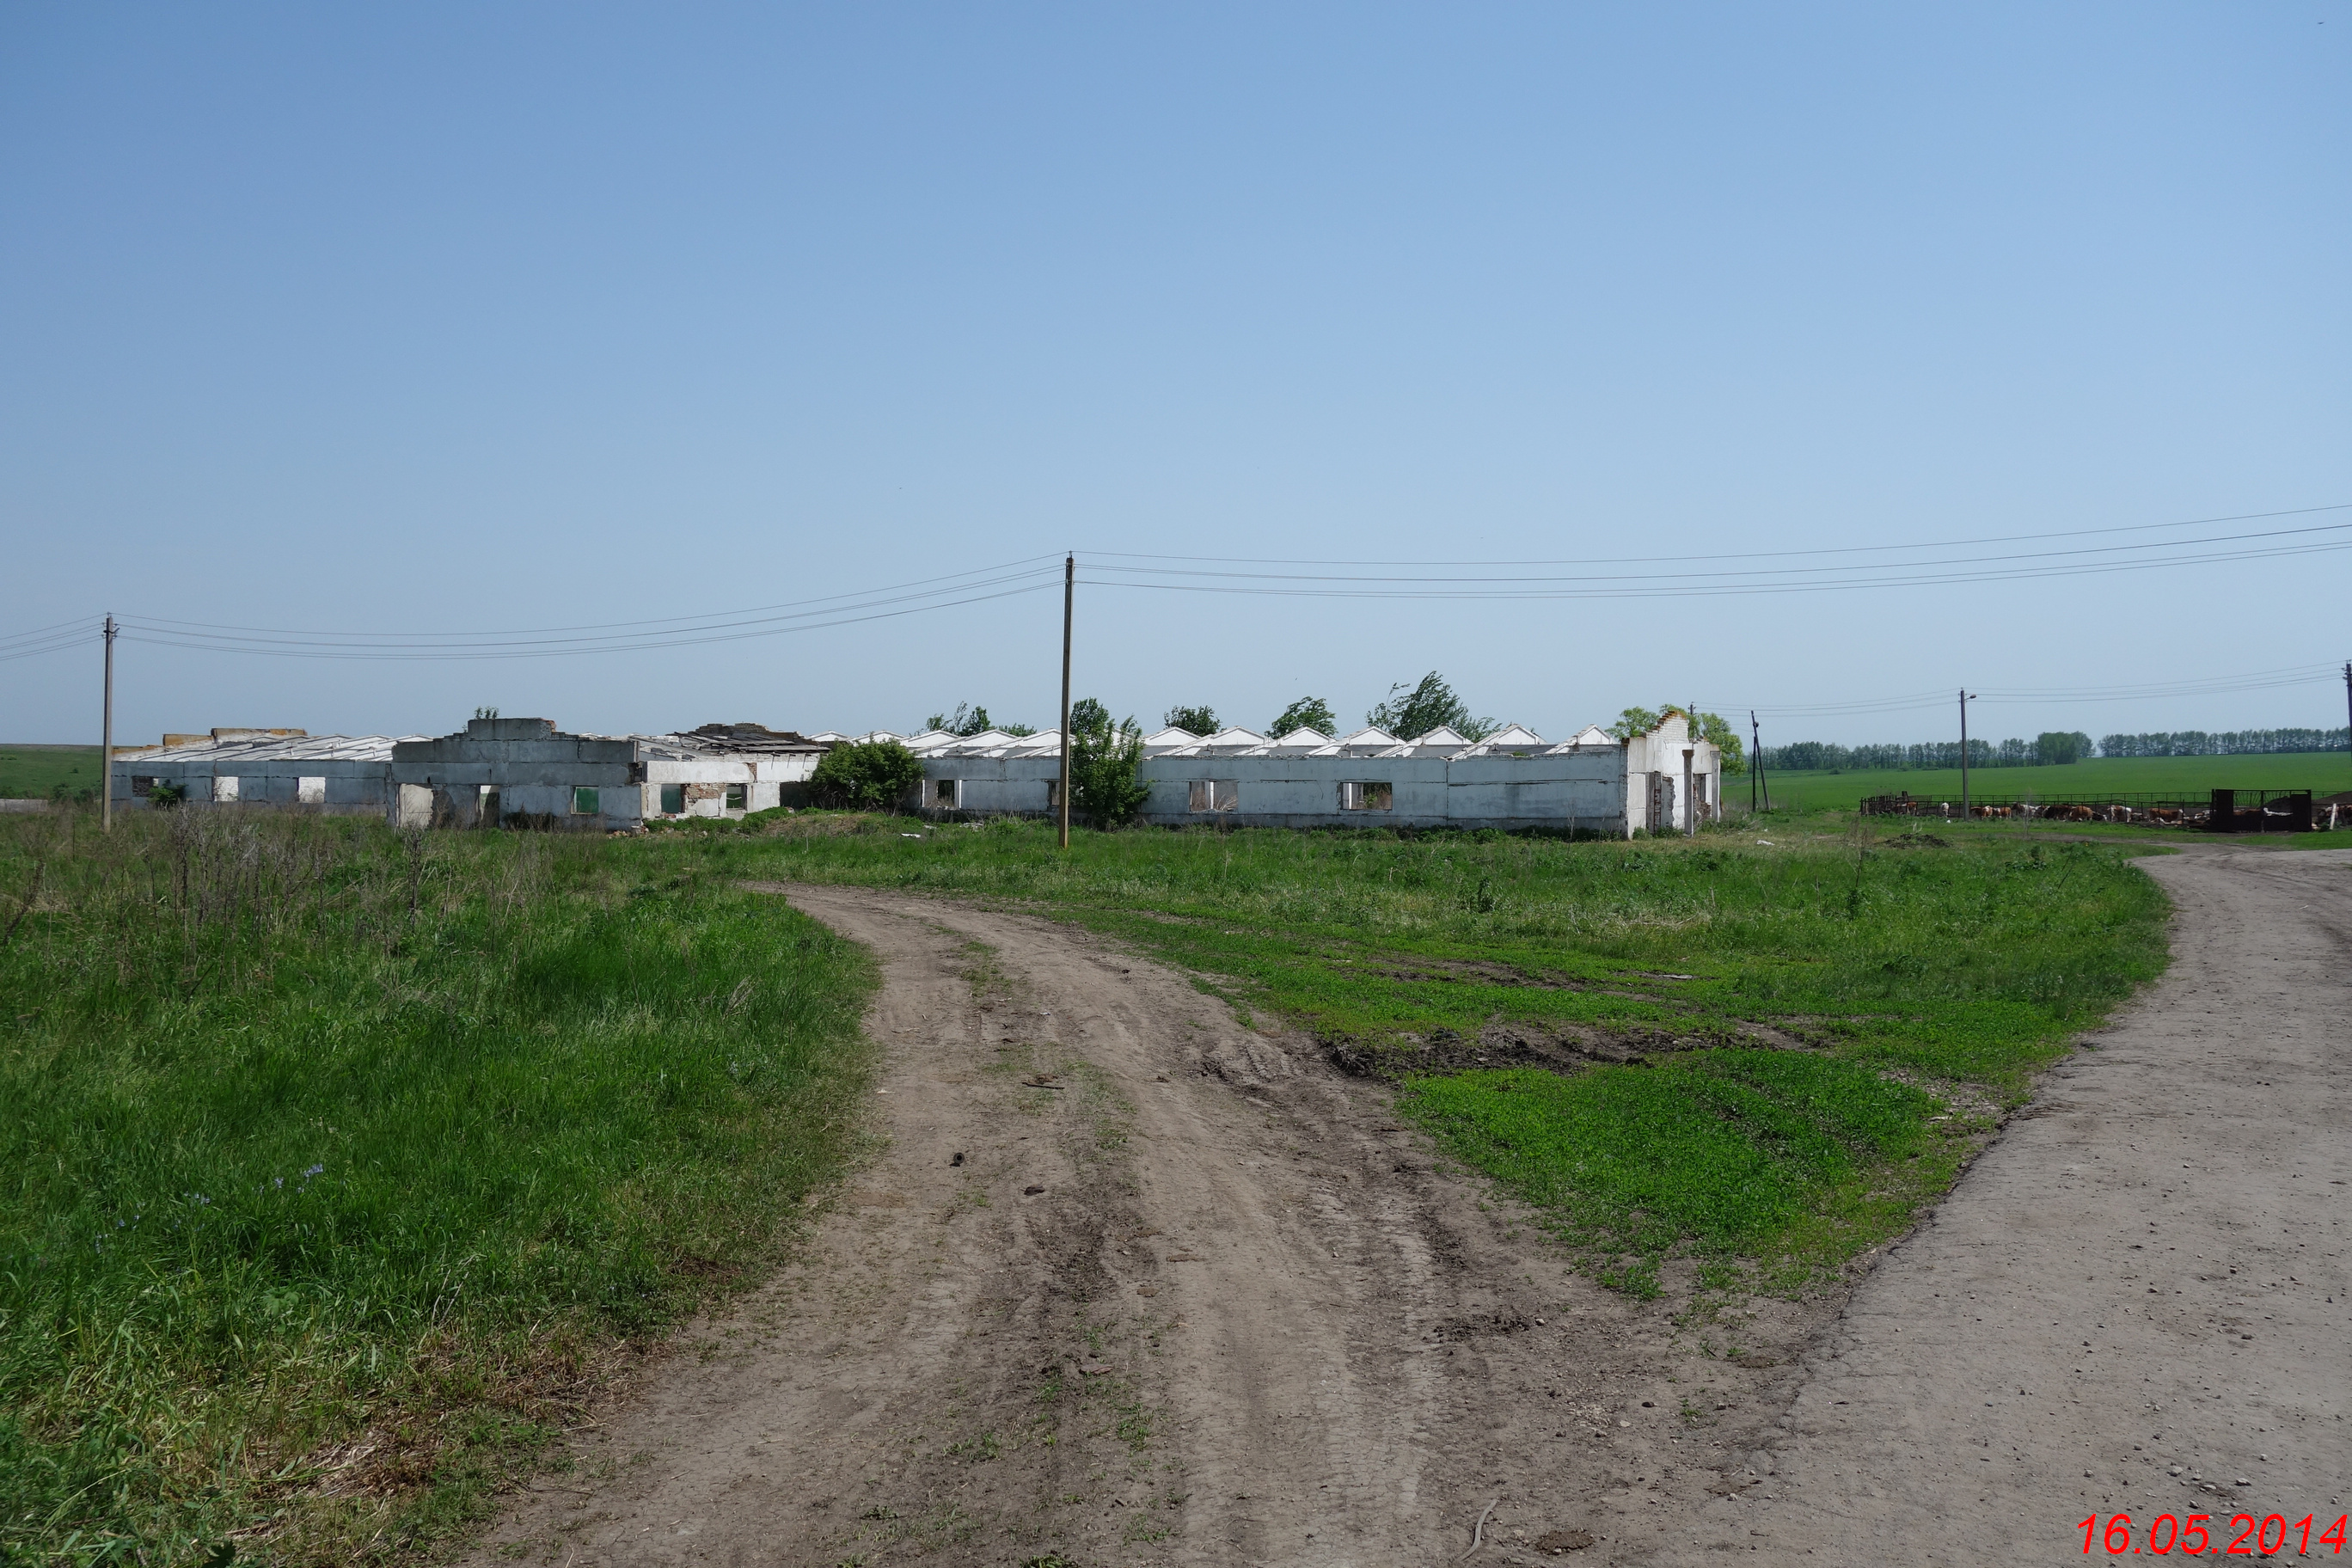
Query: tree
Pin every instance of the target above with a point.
(2057, 747)
(1430, 705)
(962, 721)
(1201, 720)
(1712, 728)
(1307, 714)
(1106, 764)
(1717, 731)
(866, 776)
(1632, 721)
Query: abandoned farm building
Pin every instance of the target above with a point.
(1512, 779)
(525, 772)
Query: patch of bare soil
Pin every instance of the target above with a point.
(1132, 1283)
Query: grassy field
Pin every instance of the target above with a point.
(335, 1165)
(338, 1163)
(1920, 984)
(2323, 772)
(33, 772)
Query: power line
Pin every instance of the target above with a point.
(2254, 680)
(678, 623)
(492, 651)
(1742, 555)
(1662, 585)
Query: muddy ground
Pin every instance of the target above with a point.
(1130, 1283)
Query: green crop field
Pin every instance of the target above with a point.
(29, 771)
(2325, 773)
(313, 1132)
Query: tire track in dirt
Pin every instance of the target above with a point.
(1190, 1296)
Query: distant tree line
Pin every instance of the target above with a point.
(2228, 744)
(2051, 748)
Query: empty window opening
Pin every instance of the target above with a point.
(584, 801)
(673, 799)
(736, 796)
(143, 786)
(225, 788)
(947, 794)
(1215, 795)
(1367, 797)
(1053, 794)
(310, 791)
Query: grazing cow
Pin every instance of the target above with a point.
(2168, 814)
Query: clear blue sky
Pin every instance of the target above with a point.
(424, 318)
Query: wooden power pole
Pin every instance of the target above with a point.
(106, 740)
(1070, 595)
(1756, 733)
(1963, 751)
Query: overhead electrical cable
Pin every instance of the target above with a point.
(2253, 680)
(676, 622)
(493, 651)
(1745, 555)
(1832, 569)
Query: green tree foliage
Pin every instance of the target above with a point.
(964, 720)
(1201, 720)
(866, 776)
(1717, 731)
(2057, 747)
(1409, 713)
(2224, 743)
(1635, 721)
(1307, 714)
(1106, 765)
(1712, 728)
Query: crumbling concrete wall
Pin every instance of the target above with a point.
(541, 776)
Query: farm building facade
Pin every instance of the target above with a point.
(1658, 782)
(526, 773)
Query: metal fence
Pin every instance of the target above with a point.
(2212, 811)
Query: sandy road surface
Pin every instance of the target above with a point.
(2148, 1272)
(1239, 1320)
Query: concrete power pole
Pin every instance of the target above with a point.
(106, 740)
(1070, 595)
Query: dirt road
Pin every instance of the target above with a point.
(2139, 1299)
(1133, 1284)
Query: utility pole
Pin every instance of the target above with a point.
(1070, 595)
(1965, 695)
(106, 740)
(1757, 731)
(2347, 705)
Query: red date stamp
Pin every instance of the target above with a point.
(2194, 1534)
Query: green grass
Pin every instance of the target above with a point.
(1960, 970)
(2323, 772)
(321, 1147)
(36, 772)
